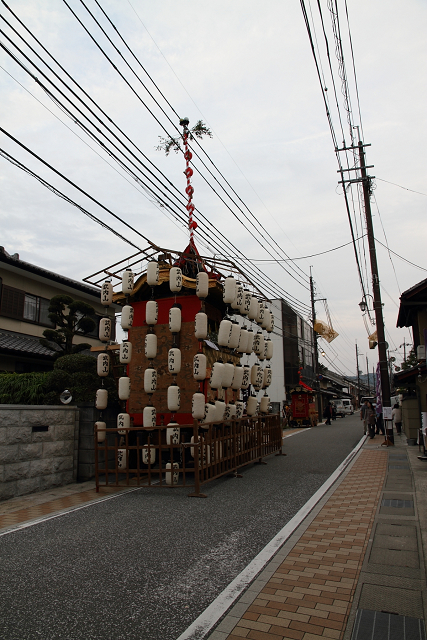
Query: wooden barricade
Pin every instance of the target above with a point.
(190, 457)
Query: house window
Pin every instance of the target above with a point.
(24, 306)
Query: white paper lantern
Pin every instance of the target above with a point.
(121, 459)
(232, 410)
(103, 365)
(261, 313)
(246, 303)
(269, 349)
(266, 318)
(261, 347)
(270, 322)
(151, 312)
(224, 332)
(256, 343)
(238, 300)
(267, 377)
(199, 367)
(259, 379)
(210, 412)
(234, 335)
(105, 329)
(243, 341)
(251, 405)
(198, 406)
(101, 400)
(201, 325)
(216, 375)
(148, 455)
(254, 372)
(220, 394)
(227, 375)
(175, 319)
(150, 380)
(149, 417)
(173, 433)
(123, 423)
(240, 407)
(100, 433)
(238, 377)
(250, 342)
(174, 397)
(175, 279)
(227, 412)
(264, 404)
(219, 410)
(229, 290)
(202, 284)
(174, 360)
(106, 293)
(125, 355)
(246, 378)
(127, 317)
(153, 273)
(150, 346)
(124, 388)
(253, 309)
(127, 281)
(172, 477)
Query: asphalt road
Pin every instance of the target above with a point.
(144, 565)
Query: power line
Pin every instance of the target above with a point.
(400, 186)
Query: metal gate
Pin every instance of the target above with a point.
(183, 455)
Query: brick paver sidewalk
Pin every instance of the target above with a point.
(310, 595)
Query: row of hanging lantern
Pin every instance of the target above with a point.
(125, 355)
(227, 375)
(246, 341)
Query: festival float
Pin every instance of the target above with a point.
(192, 407)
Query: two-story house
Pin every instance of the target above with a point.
(25, 292)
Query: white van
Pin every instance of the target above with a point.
(348, 407)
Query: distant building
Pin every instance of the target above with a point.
(25, 292)
(293, 349)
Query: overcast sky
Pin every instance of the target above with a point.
(245, 68)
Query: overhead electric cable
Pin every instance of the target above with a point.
(255, 226)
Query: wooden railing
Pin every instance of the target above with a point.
(188, 458)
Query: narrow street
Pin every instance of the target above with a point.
(145, 564)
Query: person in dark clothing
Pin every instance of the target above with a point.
(334, 411)
(371, 415)
(328, 413)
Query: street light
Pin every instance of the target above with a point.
(364, 304)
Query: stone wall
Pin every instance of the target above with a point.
(88, 415)
(38, 448)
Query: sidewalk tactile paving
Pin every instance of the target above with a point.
(310, 594)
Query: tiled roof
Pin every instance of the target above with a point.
(21, 343)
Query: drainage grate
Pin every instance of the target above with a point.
(397, 504)
(398, 466)
(377, 625)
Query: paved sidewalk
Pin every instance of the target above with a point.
(354, 568)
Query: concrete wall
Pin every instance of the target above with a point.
(88, 415)
(411, 418)
(33, 458)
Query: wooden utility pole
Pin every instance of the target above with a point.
(316, 352)
(378, 308)
(358, 377)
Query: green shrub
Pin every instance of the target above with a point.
(23, 388)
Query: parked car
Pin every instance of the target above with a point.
(348, 407)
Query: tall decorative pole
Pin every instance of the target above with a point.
(184, 122)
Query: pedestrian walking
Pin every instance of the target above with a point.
(334, 411)
(396, 416)
(328, 413)
(364, 416)
(371, 418)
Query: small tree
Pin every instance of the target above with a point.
(411, 360)
(76, 321)
(174, 144)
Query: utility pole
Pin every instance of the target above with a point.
(404, 345)
(367, 371)
(358, 377)
(378, 308)
(316, 353)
